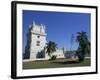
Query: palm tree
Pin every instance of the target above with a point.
(84, 44)
(51, 47)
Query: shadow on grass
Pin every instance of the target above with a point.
(66, 62)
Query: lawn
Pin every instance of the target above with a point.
(55, 63)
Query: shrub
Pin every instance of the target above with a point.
(53, 57)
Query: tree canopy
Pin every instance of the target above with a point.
(84, 45)
(51, 47)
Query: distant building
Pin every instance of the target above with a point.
(36, 44)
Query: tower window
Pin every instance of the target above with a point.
(38, 43)
(38, 36)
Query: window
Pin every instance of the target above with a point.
(38, 43)
(38, 36)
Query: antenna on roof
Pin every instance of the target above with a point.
(71, 41)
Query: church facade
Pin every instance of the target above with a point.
(36, 44)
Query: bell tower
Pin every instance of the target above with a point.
(36, 40)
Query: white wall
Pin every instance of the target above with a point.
(34, 48)
(5, 40)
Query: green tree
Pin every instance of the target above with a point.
(51, 47)
(84, 45)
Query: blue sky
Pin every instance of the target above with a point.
(59, 26)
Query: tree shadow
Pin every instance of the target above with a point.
(66, 62)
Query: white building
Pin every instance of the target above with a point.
(36, 43)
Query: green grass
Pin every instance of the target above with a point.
(55, 64)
